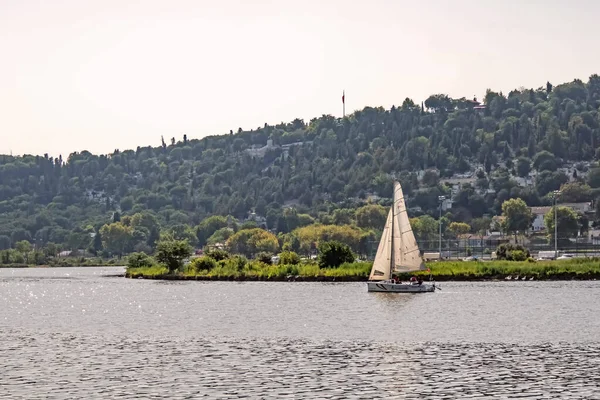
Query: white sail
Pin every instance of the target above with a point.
(406, 251)
(382, 265)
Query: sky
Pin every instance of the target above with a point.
(116, 74)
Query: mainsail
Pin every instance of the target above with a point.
(397, 242)
(408, 256)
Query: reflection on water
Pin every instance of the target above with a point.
(72, 333)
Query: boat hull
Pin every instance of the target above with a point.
(389, 287)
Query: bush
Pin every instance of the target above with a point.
(236, 262)
(202, 263)
(264, 258)
(511, 252)
(518, 255)
(333, 254)
(217, 254)
(139, 260)
(289, 258)
(171, 252)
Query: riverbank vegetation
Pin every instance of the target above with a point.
(335, 263)
(577, 268)
(24, 255)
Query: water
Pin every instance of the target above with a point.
(75, 333)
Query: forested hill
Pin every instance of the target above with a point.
(318, 166)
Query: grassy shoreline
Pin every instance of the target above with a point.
(576, 269)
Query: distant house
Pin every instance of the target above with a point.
(261, 221)
(456, 183)
(260, 151)
(594, 236)
(583, 208)
(538, 221)
(539, 213)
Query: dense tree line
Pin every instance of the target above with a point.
(120, 202)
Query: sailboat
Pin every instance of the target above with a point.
(397, 252)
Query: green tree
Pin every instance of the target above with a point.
(575, 192)
(289, 258)
(204, 263)
(518, 216)
(4, 242)
(523, 166)
(333, 254)
(208, 227)
(371, 216)
(458, 228)
(116, 237)
(139, 260)
(425, 228)
(171, 252)
(593, 178)
(23, 246)
(567, 227)
(250, 242)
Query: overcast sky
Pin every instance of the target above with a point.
(99, 75)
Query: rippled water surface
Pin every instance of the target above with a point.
(76, 333)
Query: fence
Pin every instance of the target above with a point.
(459, 249)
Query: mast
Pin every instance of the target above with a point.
(393, 256)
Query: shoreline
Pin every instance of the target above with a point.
(439, 278)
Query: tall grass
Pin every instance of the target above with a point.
(256, 270)
(502, 269)
(231, 269)
(147, 272)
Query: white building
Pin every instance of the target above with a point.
(539, 213)
(538, 221)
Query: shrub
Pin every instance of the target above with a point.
(202, 263)
(139, 260)
(217, 254)
(333, 254)
(236, 262)
(289, 258)
(511, 252)
(518, 255)
(264, 257)
(171, 252)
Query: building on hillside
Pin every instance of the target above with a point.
(456, 184)
(447, 204)
(261, 221)
(538, 224)
(538, 218)
(260, 151)
(594, 236)
(584, 207)
(257, 151)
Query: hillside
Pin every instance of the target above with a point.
(324, 165)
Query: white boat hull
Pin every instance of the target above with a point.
(389, 287)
